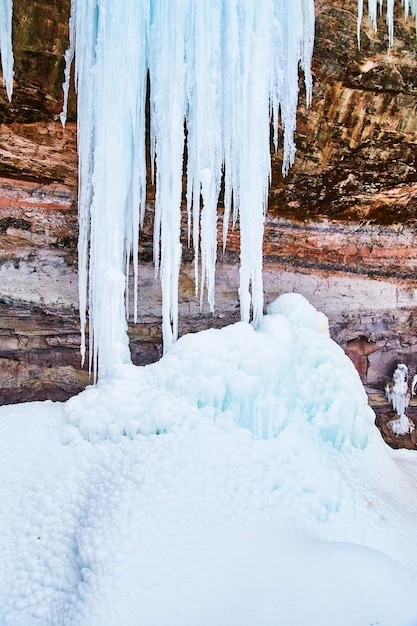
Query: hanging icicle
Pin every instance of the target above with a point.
(377, 5)
(6, 50)
(109, 38)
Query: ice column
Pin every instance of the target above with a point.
(397, 391)
(6, 7)
(109, 38)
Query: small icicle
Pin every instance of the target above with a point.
(7, 61)
(360, 15)
(69, 57)
(390, 21)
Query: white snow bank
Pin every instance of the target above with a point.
(266, 459)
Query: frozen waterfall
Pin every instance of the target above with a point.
(218, 74)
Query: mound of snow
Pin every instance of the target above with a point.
(240, 480)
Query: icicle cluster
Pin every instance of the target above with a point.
(409, 5)
(397, 391)
(6, 8)
(218, 72)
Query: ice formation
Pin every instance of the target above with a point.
(397, 391)
(401, 425)
(6, 7)
(414, 385)
(218, 72)
(292, 380)
(240, 476)
(374, 5)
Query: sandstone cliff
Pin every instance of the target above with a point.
(340, 228)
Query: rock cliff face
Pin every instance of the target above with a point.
(340, 227)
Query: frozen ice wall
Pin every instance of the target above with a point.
(6, 45)
(218, 73)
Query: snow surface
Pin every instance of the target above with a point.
(238, 481)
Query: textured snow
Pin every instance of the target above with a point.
(240, 480)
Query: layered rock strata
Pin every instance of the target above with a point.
(362, 277)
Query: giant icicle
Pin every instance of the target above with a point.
(109, 38)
